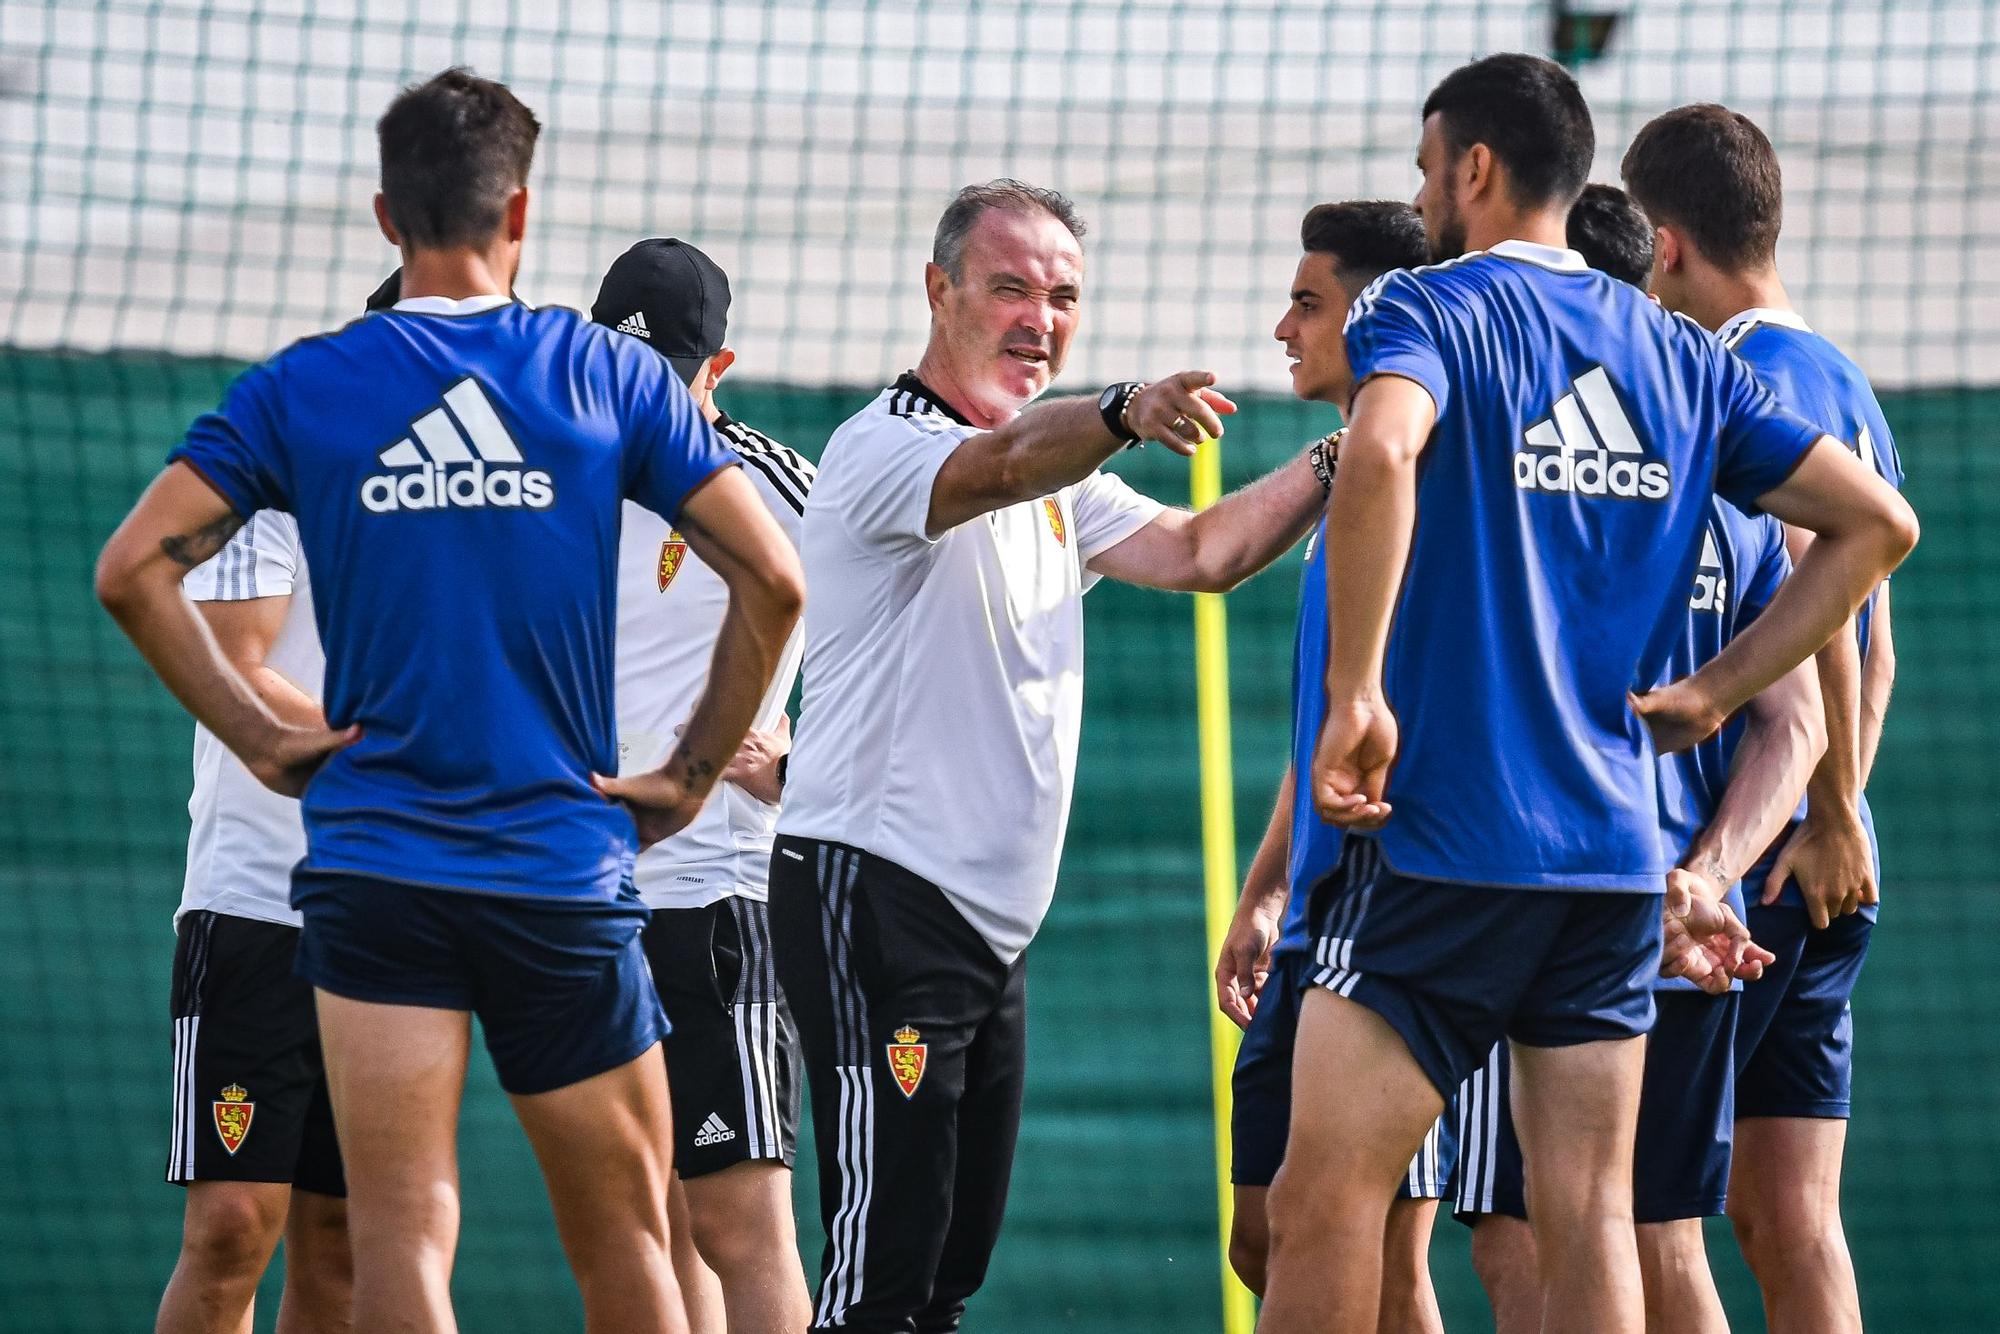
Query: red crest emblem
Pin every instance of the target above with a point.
(906, 1060)
(672, 552)
(232, 1117)
(1054, 511)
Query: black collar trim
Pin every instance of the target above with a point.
(912, 397)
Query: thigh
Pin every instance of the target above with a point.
(1803, 1066)
(604, 1144)
(562, 991)
(1576, 1109)
(246, 1052)
(1261, 1083)
(1680, 1165)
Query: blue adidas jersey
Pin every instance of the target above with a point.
(1742, 563)
(1581, 434)
(1815, 379)
(457, 480)
(1315, 844)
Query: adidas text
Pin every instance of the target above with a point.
(452, 460)
(713, 1132)
(1595, 453)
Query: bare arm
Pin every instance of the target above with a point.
(734, 535)
(177, 524)
(1245, 959)
(1783, 736)
(1217, 549)
(1370, 520)
(1053, 445)
(1864, 529)
(244, 630)
(1878, 679)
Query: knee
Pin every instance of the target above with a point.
(1784, 1231)
(230, 1232)
(319, 1262)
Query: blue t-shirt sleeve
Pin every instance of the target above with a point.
(1766, 566)
(237, 447)
(1760, 441)
(670, 449)
(1392, 331)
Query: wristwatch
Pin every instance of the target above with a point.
(1111, 405)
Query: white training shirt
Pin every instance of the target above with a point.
(670, 609)
(944, 678)
(243, 838)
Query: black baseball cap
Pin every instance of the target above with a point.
(670, 294)
(389, 293)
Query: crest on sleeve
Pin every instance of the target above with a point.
(672, 552)
(1054, 511)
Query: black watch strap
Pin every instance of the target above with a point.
(1111, 405)
(784, 763)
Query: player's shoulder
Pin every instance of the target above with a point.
(906, 410)
(779, 469)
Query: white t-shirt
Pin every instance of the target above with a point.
(670, 609)
(944, 678)
(243, 838)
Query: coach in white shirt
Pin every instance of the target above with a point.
(947, 545)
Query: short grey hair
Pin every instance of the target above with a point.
(969, 204)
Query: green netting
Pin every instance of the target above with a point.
(187, 188)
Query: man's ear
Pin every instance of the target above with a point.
(936, 283)
(517, 214)
(1476, 171)
(1668, 254)
(718, 366)
(383, 221)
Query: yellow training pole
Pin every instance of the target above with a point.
(1218, 860)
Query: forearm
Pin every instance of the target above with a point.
(1878, 679)
(1248, 529)
(1269, 869)
(1370, 519)
(1831, 579)
(747, 650)
(1836, 781)
(1048, 447)
(179, 646)
(284, 699)
(1783, 738)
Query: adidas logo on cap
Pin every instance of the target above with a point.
(635, 323)
(713, 1132)
(454, 449)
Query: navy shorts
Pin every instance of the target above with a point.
(1454, 968)
(561, 989)
(1680, 1162)
(1795, 1041)
(1260, 1114)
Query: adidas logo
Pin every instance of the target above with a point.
(1711, 585)
(635, 323)
(713, 1132)
(1597, 452)
(453, 449)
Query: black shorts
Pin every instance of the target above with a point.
(733, 1054)
(250, 1099)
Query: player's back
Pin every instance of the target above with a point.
(1581, 433)
(457, 478)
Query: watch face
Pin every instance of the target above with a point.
(1109, 398)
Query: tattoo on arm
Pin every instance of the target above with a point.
(188, 550)
(1710, 865)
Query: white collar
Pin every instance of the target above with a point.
(1548, 256)
(444, 305)
(1791, 319)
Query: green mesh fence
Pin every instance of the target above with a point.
(186, 187)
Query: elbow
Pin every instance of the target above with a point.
(782, 591)
(116, 582)
(1218, 576)
(1897, 532)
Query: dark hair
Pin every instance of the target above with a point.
(966, 207)
(1711, 172)
(1529, 112)
(1366, 238)
(1612, 234)
(453, 149)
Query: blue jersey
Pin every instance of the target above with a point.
(1562, 497)
(457, 480)
(1815, 379)
(1742, 563)
(1315, 843)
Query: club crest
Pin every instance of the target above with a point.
(232, 1117)
(906, 1060)
(672, 552)
(1054, 511)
